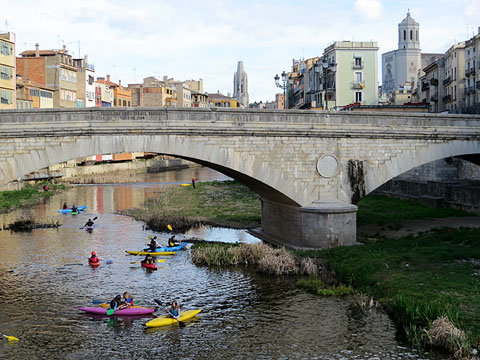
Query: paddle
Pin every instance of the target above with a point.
(10, 338)
(97, 302)
(181, 323)
(136, 262)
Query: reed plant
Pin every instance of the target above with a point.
(266, 259)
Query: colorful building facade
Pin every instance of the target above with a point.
(7, 71)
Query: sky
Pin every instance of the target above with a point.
(130, 40)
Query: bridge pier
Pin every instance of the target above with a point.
(320, 225)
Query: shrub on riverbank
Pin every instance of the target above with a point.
(29, 195)
(225, 203)
(265, 258)
(418, 280)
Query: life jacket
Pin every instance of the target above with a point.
(113, 304)
(174, 312)
(171, 242)
(93, 259)
(129, 301)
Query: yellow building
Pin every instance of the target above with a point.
(220, 100)
(7, 71)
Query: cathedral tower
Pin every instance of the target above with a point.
(240, 85)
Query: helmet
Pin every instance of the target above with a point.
(93, 253)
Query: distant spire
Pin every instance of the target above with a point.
(408, 13)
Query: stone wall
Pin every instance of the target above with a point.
(462, 195)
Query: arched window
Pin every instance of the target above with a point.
(404, 35)
(411, 34)
(417, 35)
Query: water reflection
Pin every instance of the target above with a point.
(44, 277)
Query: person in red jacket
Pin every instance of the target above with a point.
(93, 258)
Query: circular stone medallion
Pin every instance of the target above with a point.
(327, 166)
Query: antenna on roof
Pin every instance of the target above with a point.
(6, 25)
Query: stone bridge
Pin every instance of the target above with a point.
(308, 167)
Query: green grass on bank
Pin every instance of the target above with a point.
(384, 210)
(29, 195)
(225, 202)
(418, 279)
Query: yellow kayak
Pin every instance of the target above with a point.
(165, 320)
(185, 184)
(156, 253)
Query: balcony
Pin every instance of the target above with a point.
(467, 73)
(434, 97)
(425, 85)
(447, 98)
(447, 81)
(358, 84)
(433, 82)
(478, 84)
(472, 71)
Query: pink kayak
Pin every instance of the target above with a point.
(124, 312)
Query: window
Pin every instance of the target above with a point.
(358, 96)
(6, 48)
(404, 35)
(6, 97)
(417, 34)
(6, 73)
(68, 95)
(129, 103)
(124, 102)
(411, 35)
(46, 94)
(34, 92)
(358, 76)
(114, 101)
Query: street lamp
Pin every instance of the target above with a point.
(282, 86)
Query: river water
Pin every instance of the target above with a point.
(44, 277)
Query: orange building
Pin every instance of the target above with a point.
(33, 95)
(122, 96)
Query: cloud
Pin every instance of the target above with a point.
(472, 11)
(371, 9)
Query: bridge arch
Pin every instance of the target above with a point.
(424, 154)
(252, 172)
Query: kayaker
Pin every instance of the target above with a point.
(172, 242)
(148, 259)
(174, 309)
(74, 208)
(117, 303)
(89, 223)
(128, 298)
(65, 206)
(153, 244)
(93, 258)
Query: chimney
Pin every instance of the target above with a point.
(85, 59)
(64, 48)
(479, 29)
(119, 82)
(37, 50)
(165, 79)
(108, 78)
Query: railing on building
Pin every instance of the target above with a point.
(358, 66)
(434, 97)
(467, 72)
(91, 67)
(358, 84)
(433, 82)
(478, 84)
(447, 98)
(425, 85)
(472, 71)
(447, 81)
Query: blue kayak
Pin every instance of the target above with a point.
(168, 248)
(66, 211)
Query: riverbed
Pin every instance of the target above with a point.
(44, 277)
